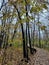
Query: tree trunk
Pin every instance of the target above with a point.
(27, 42)
(39, 32)
(23, 36)
(34, 31)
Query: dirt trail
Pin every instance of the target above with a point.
(40, 58)
(13, 57)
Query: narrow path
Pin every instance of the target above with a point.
(40, 58)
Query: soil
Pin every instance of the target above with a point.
(13, 56)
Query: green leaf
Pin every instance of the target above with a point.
(44, 6)
(43, 27)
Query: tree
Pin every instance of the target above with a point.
(20, 11)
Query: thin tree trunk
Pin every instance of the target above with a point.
(34, 31)
(39, 33)
(23, 36)
(28, 28)
(27, 42)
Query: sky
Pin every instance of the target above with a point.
(43, 17)
(0, 2)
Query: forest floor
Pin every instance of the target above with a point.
(13, 56)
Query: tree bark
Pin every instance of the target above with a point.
(23, 36)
